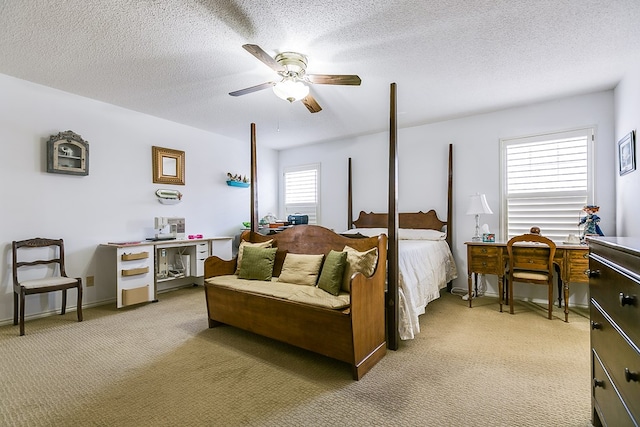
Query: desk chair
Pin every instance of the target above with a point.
(530, 265)
(56, 280)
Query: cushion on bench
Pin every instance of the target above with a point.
(244, 244)
(301, 269)
(358, 262)
(332, 272)
(299, 293)
(257, 263)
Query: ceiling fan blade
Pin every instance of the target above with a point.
(334, 79)
(252, 89)
(263, 56)
(312, 105)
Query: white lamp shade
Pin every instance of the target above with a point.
(290, 90)
(478, 205)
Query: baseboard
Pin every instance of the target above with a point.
(70, 308)
(538, 301)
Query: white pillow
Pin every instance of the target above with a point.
(403, 233)
(420, 234)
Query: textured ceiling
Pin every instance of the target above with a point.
(179, 59)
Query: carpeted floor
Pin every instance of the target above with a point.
(159, 365)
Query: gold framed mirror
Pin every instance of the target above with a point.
(168, 166)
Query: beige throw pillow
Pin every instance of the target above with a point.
(244, 243)
(358, 262)
(301, 269)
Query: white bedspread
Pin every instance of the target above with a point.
(425, 267)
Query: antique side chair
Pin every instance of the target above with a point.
(530, 265)
(56, 280)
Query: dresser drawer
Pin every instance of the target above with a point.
(607, 287)
(484, 265)
(578, 265)
(489, 251)
(621, 358)
(611, 411)
(484, 259)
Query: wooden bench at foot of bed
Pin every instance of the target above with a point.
(355, 334)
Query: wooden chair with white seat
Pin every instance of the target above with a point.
(529, 264)
(48, 253)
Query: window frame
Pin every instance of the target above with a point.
(301, 168)
(589, 132)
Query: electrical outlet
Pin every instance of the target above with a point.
(90, 281)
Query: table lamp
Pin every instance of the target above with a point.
(478, 205)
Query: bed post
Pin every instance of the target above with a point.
(450, 207)
(392, 252)
(350, 200)
(254, 181)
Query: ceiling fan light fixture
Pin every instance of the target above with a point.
(290, 90)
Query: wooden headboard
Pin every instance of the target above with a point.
(415, 220)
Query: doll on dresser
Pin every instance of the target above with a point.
(591, 221)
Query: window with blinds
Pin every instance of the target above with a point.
(301, 191)
(546, 181)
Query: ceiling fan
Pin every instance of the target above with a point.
(292, 67)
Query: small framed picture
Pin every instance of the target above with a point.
(168, 166)
(627, 153)
(488, 237)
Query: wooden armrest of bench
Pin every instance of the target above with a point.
(214, 266)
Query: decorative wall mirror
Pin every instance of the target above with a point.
(67, 153)
(168, 166)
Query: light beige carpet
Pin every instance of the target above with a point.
(159, 365)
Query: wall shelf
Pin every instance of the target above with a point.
(67, 153)
(238, 184)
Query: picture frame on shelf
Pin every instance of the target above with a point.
(627, 153)
(168, 166)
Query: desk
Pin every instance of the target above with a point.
(572, 264)
(138, 268)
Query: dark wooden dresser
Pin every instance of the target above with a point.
(614, 286)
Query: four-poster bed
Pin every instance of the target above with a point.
(411, 298)
(423, 259)
(404, 303)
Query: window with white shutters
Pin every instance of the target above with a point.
(546, 181)
(301, 191)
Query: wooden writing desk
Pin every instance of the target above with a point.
(572, 264)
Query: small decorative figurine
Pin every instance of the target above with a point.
(66, 150)
(237, 178)
(591, 221)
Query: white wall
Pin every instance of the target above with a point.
(627, 109)
(422, 155)
(116, 201)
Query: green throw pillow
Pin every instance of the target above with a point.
(244, 244)
(332, 272)
(257, 263)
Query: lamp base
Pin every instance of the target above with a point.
(476, 239)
